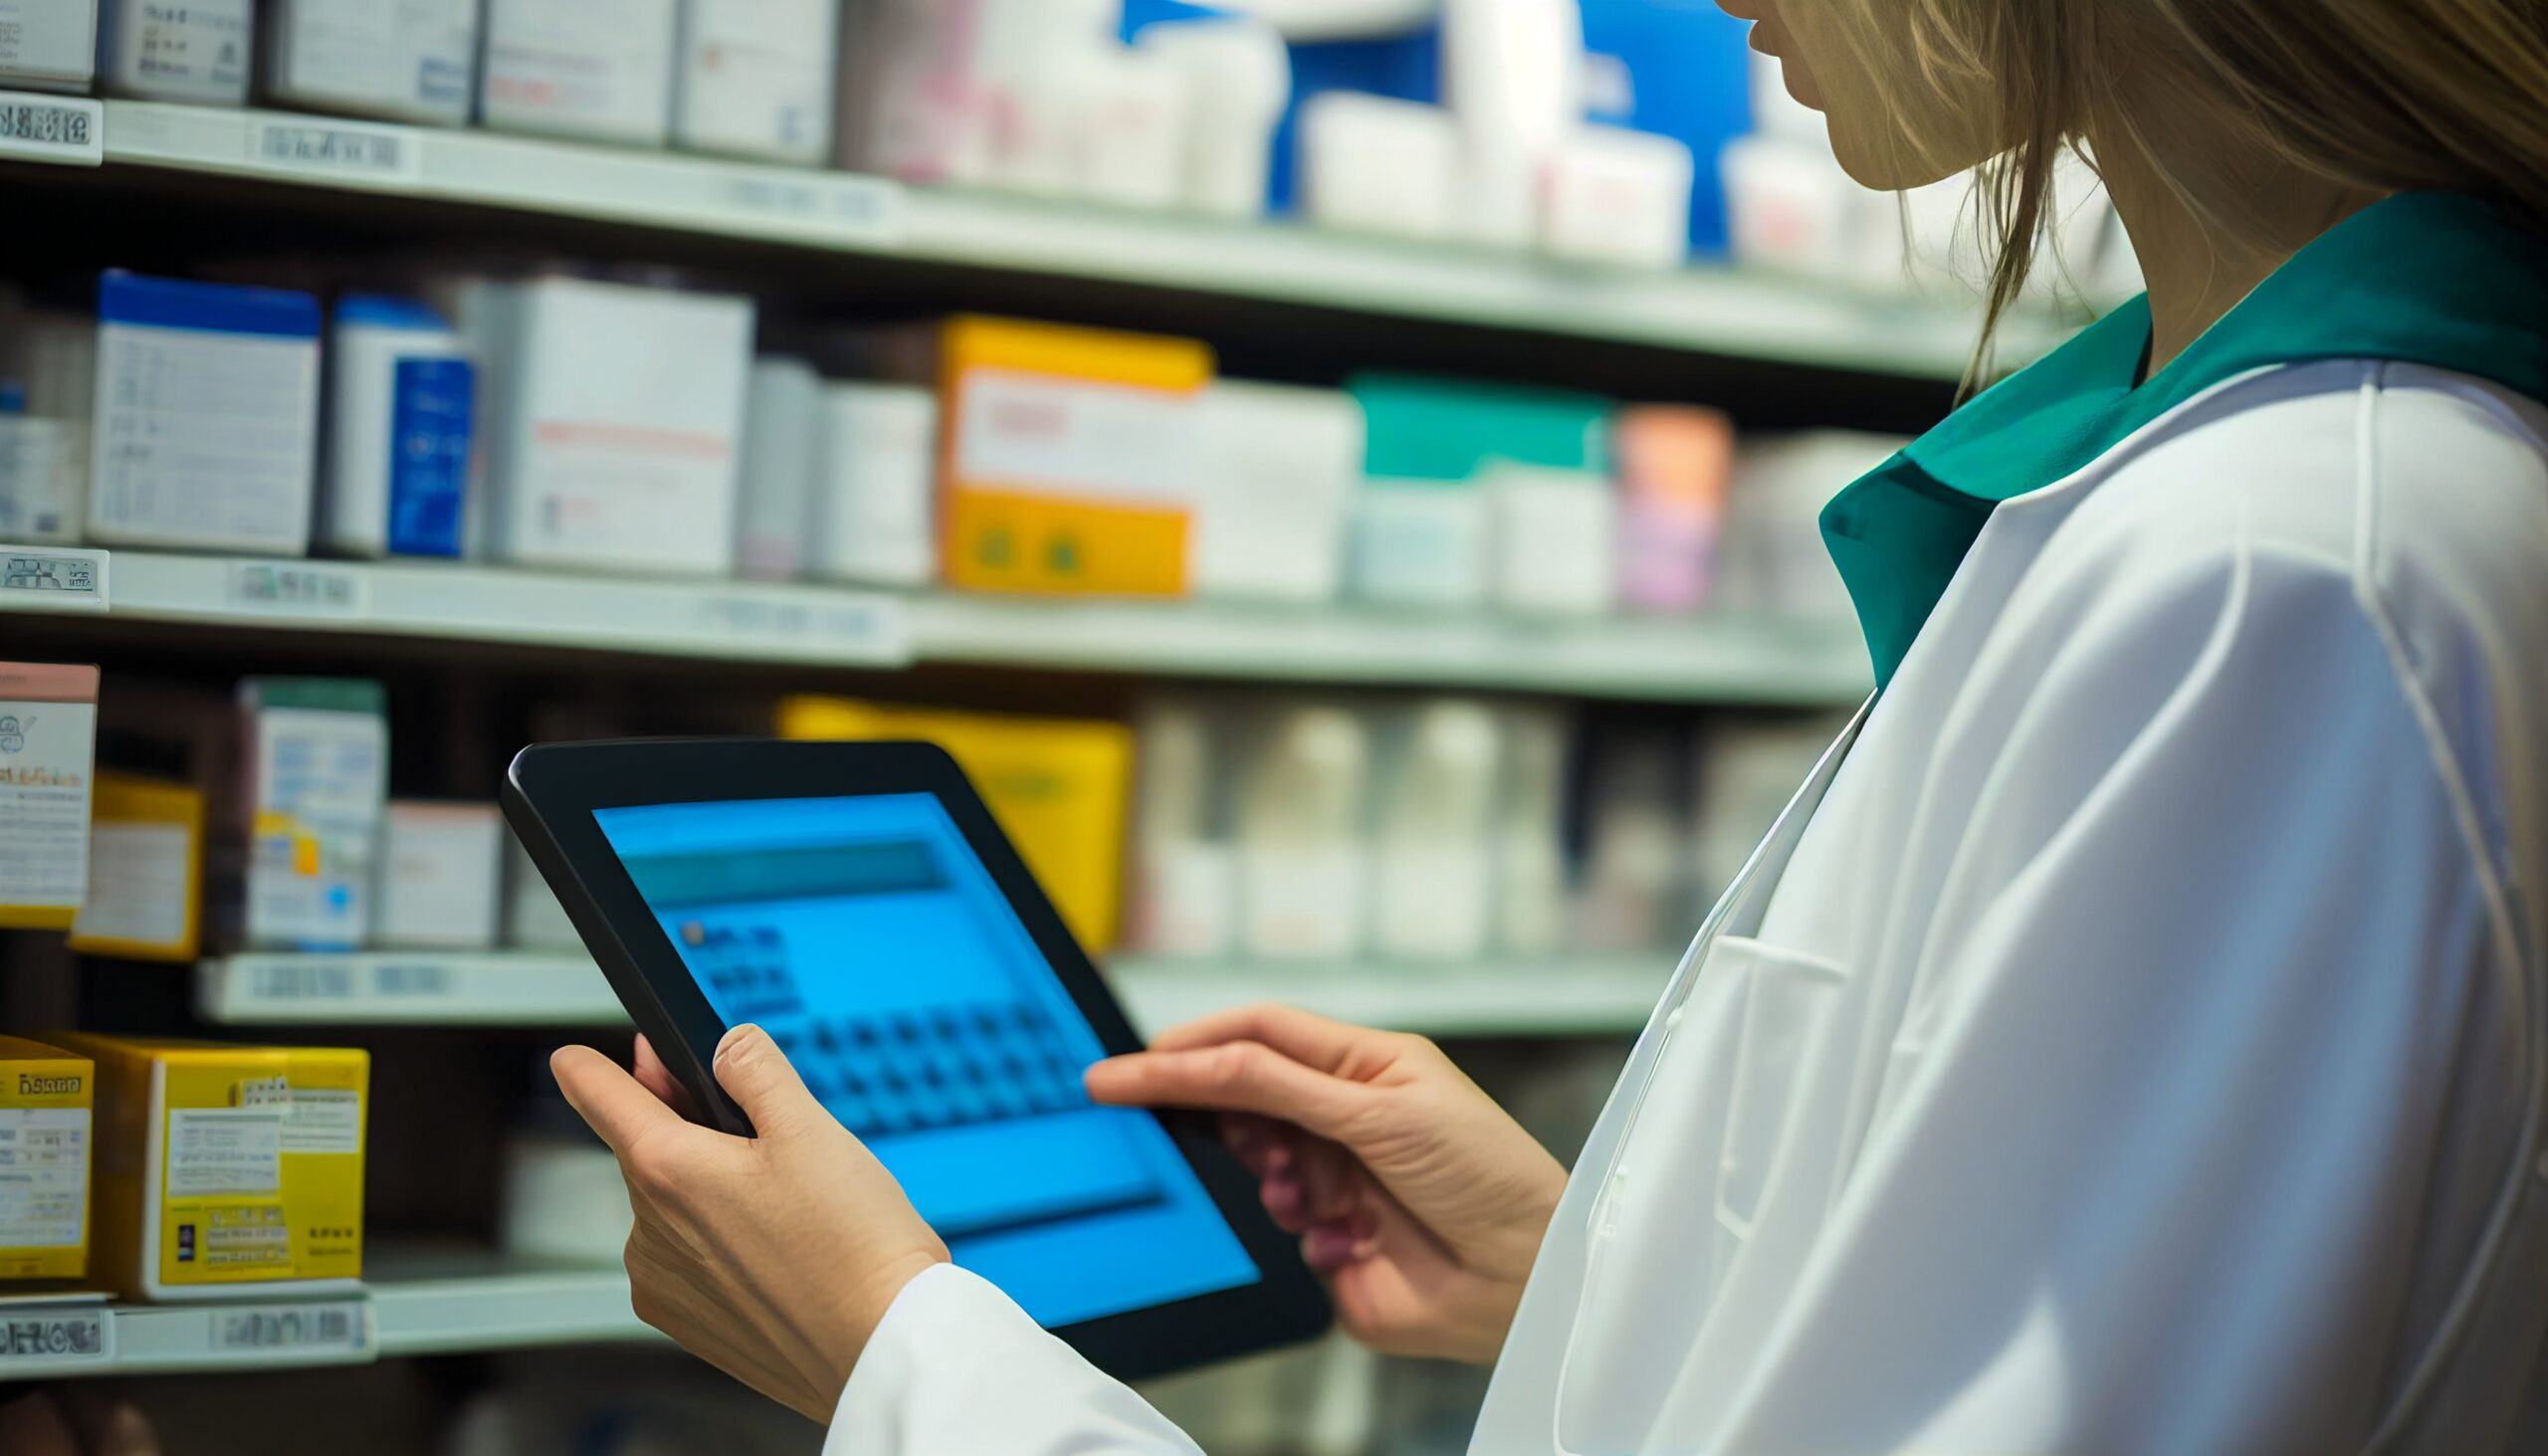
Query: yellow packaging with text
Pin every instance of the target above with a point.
(225, 1169)
(47, 1097)
(1070, 458)
(1057, 785)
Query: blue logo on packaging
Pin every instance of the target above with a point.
(429, 432)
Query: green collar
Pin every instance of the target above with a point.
(2427, 277)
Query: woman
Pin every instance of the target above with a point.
(2132, 1037)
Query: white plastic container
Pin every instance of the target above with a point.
(405, 59)
(1434, 845)
(756, 78)
(401, 413)
(1184, 889)
(198, 52)
(206, 433)
(1556, 540)
(875, 497)
(1612, 195)
(1370, 165)
(441, 870)
(1280, 468)
(1237, 76)
(1129, 134)
(49, 367)
(614, 418)
(595, 69)
(1513, 76)
(783, 463)
(48, 45)
(1303, 880)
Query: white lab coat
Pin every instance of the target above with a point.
(2132, 1042)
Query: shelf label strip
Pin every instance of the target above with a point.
(36, 1339)
(340, 1326)
(47, 129)
(52, 578)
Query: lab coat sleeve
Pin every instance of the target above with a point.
(2216, 1021)
(957, 1370)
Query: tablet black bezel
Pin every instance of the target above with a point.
(549, 796)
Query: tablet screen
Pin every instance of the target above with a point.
(868, 939)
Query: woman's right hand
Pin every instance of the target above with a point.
(1420, 1201)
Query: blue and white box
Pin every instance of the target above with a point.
(401, 411)
(206, 426)
(404, 60)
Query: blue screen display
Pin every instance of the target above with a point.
(873, 945)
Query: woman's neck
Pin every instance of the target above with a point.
(2195, 265)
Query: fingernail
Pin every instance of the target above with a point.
(734, 1039)
(1327, 1246)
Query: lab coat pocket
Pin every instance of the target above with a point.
(1793, 996)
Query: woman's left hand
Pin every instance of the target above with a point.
(772, 1257)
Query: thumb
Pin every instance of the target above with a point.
(757, 1076)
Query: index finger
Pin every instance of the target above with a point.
(1311, 1040)
(614, 1103)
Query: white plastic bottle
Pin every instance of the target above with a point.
(1434, 845)
(1299, 837)
(1513, 77)
(1184, 889)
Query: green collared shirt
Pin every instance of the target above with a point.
(2435, 279)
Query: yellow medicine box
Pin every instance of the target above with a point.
(1057, 785)
(222, 1169)
(1070, 458)
(46, 1101)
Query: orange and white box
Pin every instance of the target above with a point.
(1070, 458)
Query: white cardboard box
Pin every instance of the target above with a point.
(614, 419)
(407, 60)
(441, 876)
(754, 78)
(874, 500)
(598, 69)
(48, 45)
(199, 51)
(1280, 467)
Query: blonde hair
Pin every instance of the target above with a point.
(2378, 96)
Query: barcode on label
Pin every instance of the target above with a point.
(51, 128)
(54, 1335)
(411, 978)
(58, 579)
(276, 587)
(358, 150)
(301, 980)
(865, 630)
(289, 1327)
(48, 123)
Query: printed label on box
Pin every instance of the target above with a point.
(140, 878)
(225, 1150)
(1088, 440)
(44, 1176)
(323, 1120)
(46, 750)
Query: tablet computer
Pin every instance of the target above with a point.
(857, 901)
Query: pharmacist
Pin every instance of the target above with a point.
(2131, 1039)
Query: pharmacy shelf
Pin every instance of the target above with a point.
(1557, 997)
(1716, 311)
(1687, 660)
(428, 1300)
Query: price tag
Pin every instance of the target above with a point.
(299, 590)
(301, 978)
(342, 1326)
(52, 128)
(52, 578)
(334, 150)
(865, 210)
(38, 1338)
(413, 978)
(857, 629)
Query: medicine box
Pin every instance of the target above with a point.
(1070, 457)
(206, 429)
(145, 871)
(223, 1171)
(198, 51)
(615, 421)
(48, 45)
(783, 449)
(317, 751)
(1059, 787)
(875, 513)
(48, 753)
(46, 427)
(401, 418)
(441, 873)
(406, 60)
(47, 1102)
(1280, 468)
(756, 77)
(595, 69)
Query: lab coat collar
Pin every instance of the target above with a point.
(2438, 278)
